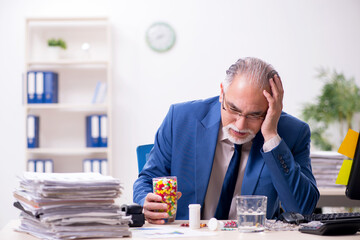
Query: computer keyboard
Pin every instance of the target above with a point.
(331, 216)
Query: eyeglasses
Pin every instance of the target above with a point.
(235, 113)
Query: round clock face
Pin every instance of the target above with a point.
(160, 37)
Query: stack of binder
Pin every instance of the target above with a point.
(96, 130)
(41, 165)
(95, 165)
(70, 206)
(326, 166)
(42, 87)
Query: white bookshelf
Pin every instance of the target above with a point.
(63, 124)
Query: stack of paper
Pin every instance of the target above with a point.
(325, 167)
(70, 205)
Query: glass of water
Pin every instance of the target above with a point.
(251, 212)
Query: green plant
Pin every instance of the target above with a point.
(338, 102)
(57, 43)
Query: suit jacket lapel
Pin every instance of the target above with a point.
(206, 139)
(254, 166)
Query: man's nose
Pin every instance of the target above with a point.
(241, 122)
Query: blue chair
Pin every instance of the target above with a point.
(142, 153)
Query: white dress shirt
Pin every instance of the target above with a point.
(223, 154)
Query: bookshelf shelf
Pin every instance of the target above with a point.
(69, 107)
(70, 63)
(67, 151)
(80, 70)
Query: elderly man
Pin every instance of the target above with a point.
(237, 143)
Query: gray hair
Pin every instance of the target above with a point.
(255, 70)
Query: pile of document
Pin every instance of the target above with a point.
(70, 206)
(326, 167)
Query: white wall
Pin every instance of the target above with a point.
(295, 36)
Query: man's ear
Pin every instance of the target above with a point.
(221, 92)
(269, 90)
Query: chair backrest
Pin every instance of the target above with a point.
(142, 153)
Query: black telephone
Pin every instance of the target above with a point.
(136, 212)
(332, 227)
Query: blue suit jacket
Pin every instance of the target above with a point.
(185, 147)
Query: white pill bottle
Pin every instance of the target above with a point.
(194, 216)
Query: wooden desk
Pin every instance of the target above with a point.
(8, 233)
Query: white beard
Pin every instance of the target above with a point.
(227, 134)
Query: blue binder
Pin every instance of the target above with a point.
(92, 131)
(31, 166)
(103, 166)
(31, 87)
(51, 87)
(40, 165)
(39, 87)
(96, 165)
(103, 130)
(87, 165)
(48, 165)
(33, 131)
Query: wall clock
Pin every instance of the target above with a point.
(160, 37)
